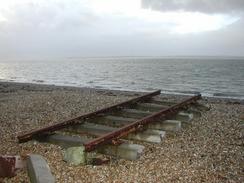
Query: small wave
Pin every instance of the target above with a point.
(90, 82)
(99, 87)
(184, 92)
(38, 81)
(229, 95)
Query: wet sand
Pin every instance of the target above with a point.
(209, 150)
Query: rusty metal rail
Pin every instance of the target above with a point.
(114, 136)
(163, 114)
(51, 128)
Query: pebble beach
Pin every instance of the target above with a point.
(210, 149)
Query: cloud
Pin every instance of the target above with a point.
(76, 28)
(204, 6)
(46, 15)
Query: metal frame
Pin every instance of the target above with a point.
(121, 132)
(51, 128)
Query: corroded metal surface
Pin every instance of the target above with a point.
(28, 136)
(130, 126)
(9, 165)
(121, 132)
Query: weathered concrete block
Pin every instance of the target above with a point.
(92, 128)
(202, 107)
(125, 151)
(242, 126)
(75, 155)
(146, 137)
(162, 102)
(242, 130)
(154, 132)
(113, 120)
(65, 140)
(134, 113)
(167, 125)
(195, 112)
(119, 119)
(38, 170)
(242, 119)
(150, 107)
(184, 117)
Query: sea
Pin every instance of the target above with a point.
(214, 77)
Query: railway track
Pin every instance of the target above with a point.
(108, 130)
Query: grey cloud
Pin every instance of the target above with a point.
(205, 6)
(48, 16)
(67, 29)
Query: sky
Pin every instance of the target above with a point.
(31, 29)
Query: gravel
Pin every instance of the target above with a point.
(211, 149)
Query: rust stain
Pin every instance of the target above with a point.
(48, 129)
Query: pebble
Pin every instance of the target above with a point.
(208, 150)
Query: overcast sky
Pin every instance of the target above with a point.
(93, 28)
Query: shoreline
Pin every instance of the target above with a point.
(10, 86)
(208, 150)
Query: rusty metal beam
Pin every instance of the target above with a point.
(9, 165)
(121, 132)
(28, 136)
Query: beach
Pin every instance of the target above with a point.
(210, 149)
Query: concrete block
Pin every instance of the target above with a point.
(242, 119)
(92, 128)
(196, 113)
(242, 130)
(167, 125)
(184, 117)
(66, 141)
(75, 155)
(145, 137)
(242, 126)
(134, 113)
(150, 107)
(124, 151)
(38, 170)
(113, 120)
(154, 132)
(119, 119)
(161, 102)
(202, 107)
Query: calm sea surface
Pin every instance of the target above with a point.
(211, 77)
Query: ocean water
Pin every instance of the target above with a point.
(210, 77)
